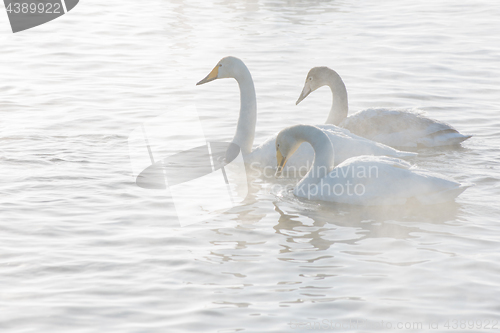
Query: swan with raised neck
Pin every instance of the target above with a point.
(324, 76)
(396, 128)
(232, 67)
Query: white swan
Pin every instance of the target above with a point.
(363, 180)
(264, 156)
(399, 129)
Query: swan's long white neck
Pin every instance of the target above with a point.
(323, 152)
(245, 130)
(339, 109)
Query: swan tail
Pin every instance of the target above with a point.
(443, 138)
(460, 138)
(443, 196)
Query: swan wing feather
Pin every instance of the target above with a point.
(345, 145)
(380, 180)
(402, 128)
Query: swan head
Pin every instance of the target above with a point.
(286, 145)
(316, 78)
(227, 67)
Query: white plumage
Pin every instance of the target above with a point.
(362, 180)
(395, 128)
(346, 145)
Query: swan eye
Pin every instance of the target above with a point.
(310, 78)
(220, 65)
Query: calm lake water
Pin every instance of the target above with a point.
(83, 249)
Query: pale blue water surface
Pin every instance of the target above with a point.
(82, 249)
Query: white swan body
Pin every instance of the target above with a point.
(363, 180)
(402, 129)
(346, 145)
(264, 156)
